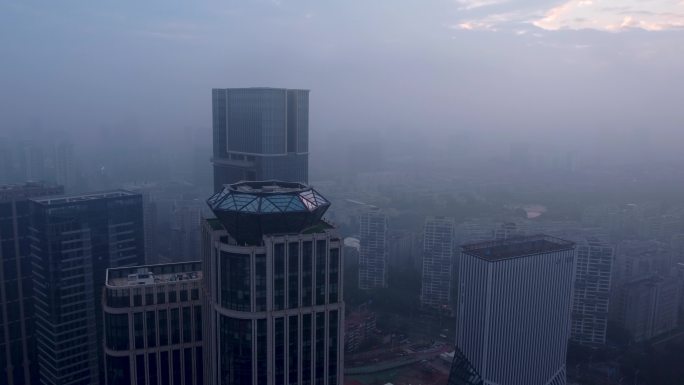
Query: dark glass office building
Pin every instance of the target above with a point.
(74, 239)
(18, 364)
(153, 325)
(273, 287)
(260, 134)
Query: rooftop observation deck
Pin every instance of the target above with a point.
(516, 247)
(154, 274)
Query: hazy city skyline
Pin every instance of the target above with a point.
(404, 192)
(545, 72)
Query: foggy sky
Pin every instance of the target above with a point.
(592, 72)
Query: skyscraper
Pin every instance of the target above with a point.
(74, 239)
(273, 287)
(438, 259)
(153, 325)
(590, 304)
(373, 250)
(260, 134)
(17, 343)
(514, 310)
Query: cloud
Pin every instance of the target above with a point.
(473, 4)
(601, 15)
(173, 30)
(614, 16)
(489, 23)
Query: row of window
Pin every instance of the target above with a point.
(235, 277)
(175, 367)
(162, 327)
(235, 348)
(120, 298)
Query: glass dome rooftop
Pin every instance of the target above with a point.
(248, 210)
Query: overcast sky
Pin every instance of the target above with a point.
(514, 68)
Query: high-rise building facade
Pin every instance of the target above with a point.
(74, 239)
(18, 364)
(514, 309)
(591, 297)
(648, 307)
(373, 249)
(438, 259)
(153, 325)
(260, 134)
(274, 309)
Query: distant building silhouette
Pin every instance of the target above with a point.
(514, 309)
(591, 297)
(373, 250)
(260, 134)
(648, 307)
(74, 239)
(438, 260)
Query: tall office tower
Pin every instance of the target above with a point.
(591, 298)
(185, 227)
(17, 343)
(373, 251)
(32, 162)
(74, 239)
(153, 325)
(401, 249)
(260, 134)
(273, 287)
(438, 260)
(514, 309)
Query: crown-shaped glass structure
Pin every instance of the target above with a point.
(250, 210)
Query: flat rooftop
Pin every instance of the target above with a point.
(57, 200)
(28, 190)
(154, 274)
(516, 247)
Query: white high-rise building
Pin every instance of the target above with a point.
(274, 310)
(514, 309)
(592, 292)
(373, 251)
(438, 258)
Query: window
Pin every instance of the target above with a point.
(151, 329)
(138, 330)
(307, 255)
(293, 275)
(293, 348)
(320, 271)
(116, 331)
(175, 326)
(235, 281)
(279, 352)
(163, 327)
(278, 276)
(187, 324)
